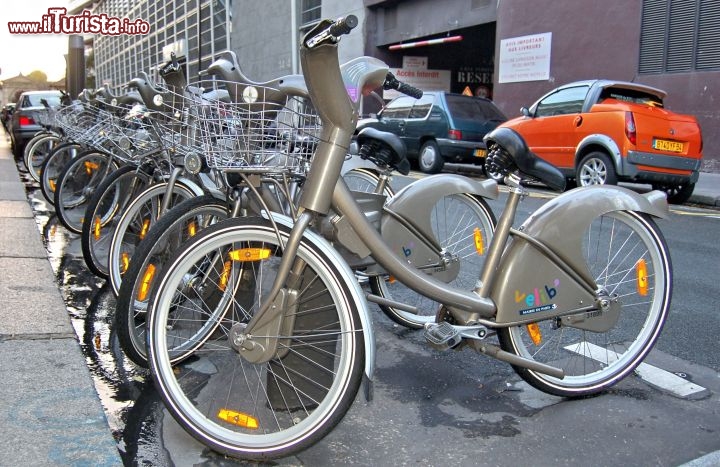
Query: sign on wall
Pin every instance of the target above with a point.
(427, 80)
(525, 58)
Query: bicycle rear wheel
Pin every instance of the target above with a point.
(463, 225)
(628, 256)
(255, 404)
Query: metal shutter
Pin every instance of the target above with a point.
(653, 36)
(708, 44)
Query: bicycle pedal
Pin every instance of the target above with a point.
(442, 336)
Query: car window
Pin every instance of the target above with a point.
(398, 108)
(35, 100)
(422, 107)
(470, 108)
(563, 102)
(631, 95)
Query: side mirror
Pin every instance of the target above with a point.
(525, 111)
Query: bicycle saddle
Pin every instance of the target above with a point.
(527, 162)
(383, 148)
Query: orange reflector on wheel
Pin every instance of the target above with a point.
(642, 277)
(249, 254)
(146, 282)
(97, 226)
(225, 276)
(479, 241)
(90, 167)
(52, 185)
(192, 229)
(534, 332)
(124, 263)
(237, 418)
(145, 228)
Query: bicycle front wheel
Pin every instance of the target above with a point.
(76, 185)
(176, 227)
(256, 404)
(37, 150)
(628, 257)
(53, 165)
(463, 225)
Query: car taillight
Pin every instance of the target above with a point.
(24, 121)
(455, 134)
(630, 130)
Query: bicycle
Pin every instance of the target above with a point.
(279, 356)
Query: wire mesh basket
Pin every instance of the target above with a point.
(269, 131)
(83, 123)
(129, 133)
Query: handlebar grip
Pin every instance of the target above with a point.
(411, 91)
(343, 26)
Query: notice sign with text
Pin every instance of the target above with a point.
(426, 80)
(525, 58)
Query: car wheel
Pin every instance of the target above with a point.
(430, 160)
(596, 169)
(676, 194)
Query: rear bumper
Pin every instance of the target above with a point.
(457, 150)
(631, 169)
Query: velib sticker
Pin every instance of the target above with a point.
(539, 299)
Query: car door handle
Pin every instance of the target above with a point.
(578, 121)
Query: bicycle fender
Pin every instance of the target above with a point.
(413, 204)
(357, 295)
(530, 287)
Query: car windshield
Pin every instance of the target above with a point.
(631, 95)
(471, 108)
(35, 100)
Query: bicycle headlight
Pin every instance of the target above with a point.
(158, 99)
(250, 94)
(193, 163)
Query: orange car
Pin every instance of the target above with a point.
(602, 132)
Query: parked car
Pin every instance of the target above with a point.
(6, 113)
(23, 122)
(439, 127)
(602, 132)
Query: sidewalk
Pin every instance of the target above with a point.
(50, 413)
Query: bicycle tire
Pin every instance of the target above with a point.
(178, 225)
(37, 150)
(77, 183)
(137, 220)
(290, 398)
(53, 165)
(454, 219)
(103, 212)
(616, 243)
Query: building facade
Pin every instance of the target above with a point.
(450, 44)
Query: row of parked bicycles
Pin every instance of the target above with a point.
(244, 254)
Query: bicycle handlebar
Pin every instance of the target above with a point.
(391, 82)
(332, 31)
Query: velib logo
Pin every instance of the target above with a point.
(407, 249)
(540, 299)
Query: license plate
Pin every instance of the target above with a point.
(665, 145)
(480, 153)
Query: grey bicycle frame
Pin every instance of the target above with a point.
(539, 248)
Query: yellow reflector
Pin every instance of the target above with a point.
(145, 228)
(124, 262)
(192, 229)
(236, 418)
(97, 227)
(391, 279)
(52, 185)
(90, 166)
(146, 282)
(534, 332)
(225, 276)
(249, 254)
(479, 241)
(642, 277)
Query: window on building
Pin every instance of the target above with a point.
(309, 13)
(679, 36)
